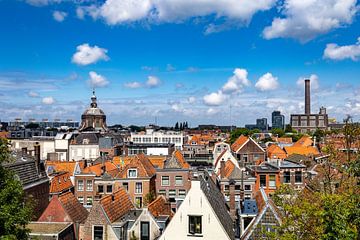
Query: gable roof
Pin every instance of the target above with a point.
(62, 166)
(160, 207)
(302, 150)
(217, 203)
(239, 143)
(304, 141)
(142, 164)
(275, 150)
(283, 140)
(263, 204)
(157, 161)
(60, 182)
(116, 205)
(97, 169)
(177, 160)
(73, 207)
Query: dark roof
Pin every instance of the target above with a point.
(27, 172)
(92, 138)
(38, 228)
(297, 158)
(249, 207)
(217, 202)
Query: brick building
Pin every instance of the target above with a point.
(247, 151)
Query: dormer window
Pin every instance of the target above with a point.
(132, 173)
(85, 141)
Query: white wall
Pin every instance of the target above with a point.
(145, 217)
(195, 203)
(78, 152)
(157, 151)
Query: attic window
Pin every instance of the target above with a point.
(195, 226)
(85, 141)
(132, 173)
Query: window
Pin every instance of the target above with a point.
(182, 192)
(89, 201)
(262, 180)
(237, 187)
(126, 186)
(89, 185)
(98, 232)
(226, 187)
(109, 188)
(298, 177)
(138, 202)
(172, 193)
(144, 231)
(286, 177)
(165, 181)
(81, 200)
(195, 225)
(132, 173)
(245, 158)
(138, 187)
(248, 187)
(179, 180)
(100, 188)
(272, 182)
(80, 185)
(162, 192)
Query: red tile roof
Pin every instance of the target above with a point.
(306, 151)
(62, 166)
(60, 183)
(178, 155)
(142, 164)
(117, 204)
(239, 143)
(97, 168)
(157, 161)
(73, 207)
(274, 151)
(304, 141)
(160, 207)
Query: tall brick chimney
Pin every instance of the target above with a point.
(232, 199)
(222, 169)
(307, 97)
(37, 156)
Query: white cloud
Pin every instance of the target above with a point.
(86, 54)
(267, 82)
(40, 3)
(133, 85)
(336, 52)
(212, 111)
(153, 82)
(97, 80)
(306, 19)
(236, 82)
(215, 98)
(59, 16)
(48, 100)
(33, 94)
(314, 82)
(117, 12)
(80, 12)
(124, 11)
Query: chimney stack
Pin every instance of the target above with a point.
(307, 97)
(232, 204)
(37, 156)
(222, 169)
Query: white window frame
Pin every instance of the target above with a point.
(132, 169)
(162, 181)
(78, 186)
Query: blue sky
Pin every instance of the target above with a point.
(178, 60)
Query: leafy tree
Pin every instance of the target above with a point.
(288, 129)
(278, 132)
(15, 211)
(149, 197)
(241, 131)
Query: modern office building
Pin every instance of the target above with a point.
(277, 120)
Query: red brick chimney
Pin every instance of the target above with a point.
(222, 169)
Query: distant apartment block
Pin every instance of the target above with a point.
(277, 120)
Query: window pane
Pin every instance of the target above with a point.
(195, 225)
(179, 180)
(138, 187)
(109, 188)
(262, 180)
(286, 177)
(89, 185)
(100, 188)
(165, 181)
(80, 185)
(298, 177)
(98, 232)
(272, 182)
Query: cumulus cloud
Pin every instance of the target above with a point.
(48, 100)
(267, 82)
(153, 82)
(97, 80)
(212, 111)
(336, 52)
(133, 85)
(215, 98)
(125, 11)
(304, 20)
(33, 94)
(86, 54)
(314, 81)
(236, 82)
(59, 16)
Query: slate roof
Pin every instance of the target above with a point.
(60, 182)
(27, 172)
(92, 138)
(73, 207)
(160, 207)
(297, 158)
(116, 205)
(217, 202)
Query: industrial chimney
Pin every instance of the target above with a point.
(307, 97)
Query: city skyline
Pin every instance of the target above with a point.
(152, 61)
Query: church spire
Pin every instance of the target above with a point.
(93, 100)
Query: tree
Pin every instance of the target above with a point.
(15, 211)
(278, 132)
(177, 126)
(181, 126)
(288, 129)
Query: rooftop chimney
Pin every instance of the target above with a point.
(222, 169)
(232, 203)
(307, 97)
